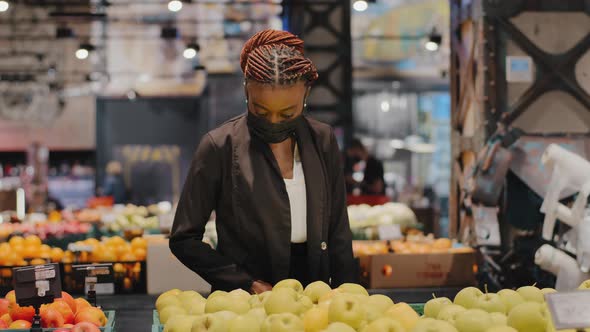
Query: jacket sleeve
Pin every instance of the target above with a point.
(199, 197)
(342, 265)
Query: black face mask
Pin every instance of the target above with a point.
(272, 133)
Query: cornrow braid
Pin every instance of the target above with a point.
(276, 57)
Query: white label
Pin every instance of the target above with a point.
(78, 248)
(390, 232)
(570, 310)
(44, 274)
(487, 228)
(519, 69)
(102, 289)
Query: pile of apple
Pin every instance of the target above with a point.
(287, 308)
(66, 313)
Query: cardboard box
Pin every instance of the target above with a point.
(165, 271)
(418, 270)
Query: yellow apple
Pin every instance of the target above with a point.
(315, 320)
(404, 314)
(346, 308)
(528, 317)
(473, 320)
(353, 289)
(316, 290)
(285, 322)
(290, 283)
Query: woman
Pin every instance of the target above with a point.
(274, 178)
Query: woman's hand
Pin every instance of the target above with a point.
(259, 287)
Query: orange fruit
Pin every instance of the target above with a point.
(140, 253)
(18, 249)
(123, 249)
(119, 268)
(16, 240)
(32, 241)
(38, 261)
(56, 255)
(139, 242)
(128, 257)
(115, 241)
(108, 256)
(30, 252)
(45, 248)
(442, 243)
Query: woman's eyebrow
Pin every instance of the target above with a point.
(266, 109)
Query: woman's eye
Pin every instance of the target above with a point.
(286, 116)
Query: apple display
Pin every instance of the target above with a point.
(217, 293)
(187, 297)
(376, 305)
(51, 318)
(290, 283)
(6, 318)
(255, 302)
(501, 329)
(92, 315)
(244, 324)
(498, 318)
(346, 308)
(3, 324)
(353, 289)
(384, 324)
(468, 297)
(316, 290)
(528, 317)
(433, 325)
(490, 302)
(531, 293)
(179, 323)
(240, 294)
(258, 313)
(432, 307)
(473, 320)
(64, 309)
(511, 298)
(17, 312)
(69, 300)
(20, 325)
(284, 322)
(4, 306)
(404, 314)
(284, 300)
(167, 301)
(227, 302)
(85, 327)
(211, 323)
(81, 304)
(315, 320)
(449, 313)
(339, 327)
(548, 290)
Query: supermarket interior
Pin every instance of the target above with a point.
(295, 165)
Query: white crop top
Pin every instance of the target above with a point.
(297, 201)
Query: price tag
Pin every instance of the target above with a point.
(390, 232)
(79, 248)
(44, 274)
(102, 289)
(519, 69)
(570, 310)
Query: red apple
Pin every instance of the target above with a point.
(81, 304)
(4, 306)
(6, 319)
(3, 324)
(51, 318)
(20, 324)
(85, 327)
(69, 300)
(11, 296)
(92, 315)
(68, 326)
(64, 309)
(21, 313)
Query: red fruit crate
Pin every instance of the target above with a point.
(129, 278)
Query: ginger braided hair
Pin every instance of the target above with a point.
(276, 57)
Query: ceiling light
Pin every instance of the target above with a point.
(84, 51)
(191, 50)
(360, 5)
(4, 5)
(434, 41)
(175, 6)
(132, 95)
(385, 106)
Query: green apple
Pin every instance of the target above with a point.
(585, 284)
(531, 293)
(171, 311)
(449, 313)
(528, 317)
(216, 293)
(346, 308)
(433, 307)
(433, 325)
(167, 301)
(548, 290)
(384, 324)
(258, 313)
(196, 309)
(498, 319)
(290, 283)
(502, 329)
(468, 297)
(226, 302)
(240, 294)
(353, 289)
(473, 320)
(315, 320)
(511, 298)
(339, 327)
(404, 314)
(285, 322)
(216, 322)
(179, 323)
(244, 323)
(173, 293)
(316, 290)
(190, 296)
(376, 305)
(281, 300)
(490, 302)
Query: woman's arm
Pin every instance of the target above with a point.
(198, 199)
(342, 265)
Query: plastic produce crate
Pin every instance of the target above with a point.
(109, 327)
(129, 278)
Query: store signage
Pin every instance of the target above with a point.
(390, 232)
(519, 69)
(570, 310)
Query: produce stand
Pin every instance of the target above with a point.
(109, 327)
